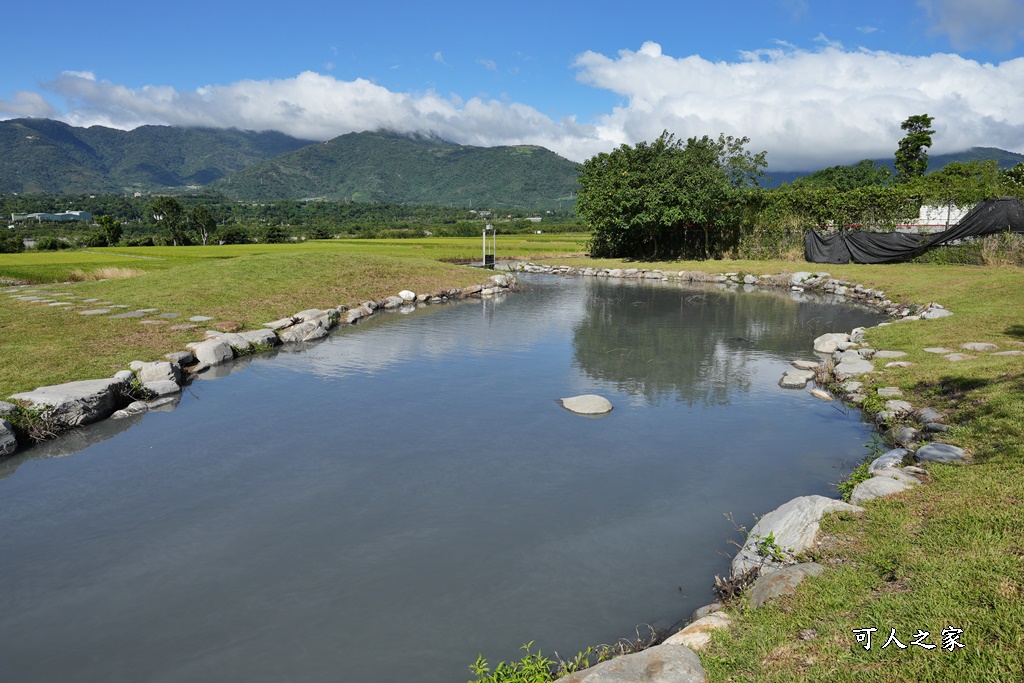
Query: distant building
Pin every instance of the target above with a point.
(52, 217)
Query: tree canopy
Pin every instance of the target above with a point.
(667, 199)
(912, 154)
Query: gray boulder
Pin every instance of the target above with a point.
(900, 474)
(237, 342)
(781, 582)
(124, 375)
(935, 313)
(211, 351)
(159, 371)
(928, 415)
(393, 302)
(805, 364)
(8, 442)
(7, 408)
(407, 295)
(181, 357)
(849, 368)
(876, 487)
(77, 403)
(828, 343)
(310, 330)
(162, 387)
(796, 379)
(587, 404)
(893, 458)
(697, 634)
(661, 664)
(793, 525)
(354, 314)
(939, 452)
(262, 337)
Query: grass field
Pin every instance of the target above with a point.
(249, 284)
(946, 554)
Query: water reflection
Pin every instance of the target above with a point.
(695, 345)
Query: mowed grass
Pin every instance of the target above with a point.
(948, 554)
(249, 284)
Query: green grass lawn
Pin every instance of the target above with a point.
(249, 284)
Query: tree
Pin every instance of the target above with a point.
(275, 234)
(235, 234)
(912, 154)
(169, 212)
(203, 222)
(666, 199)
(111, 229)
(864, 173)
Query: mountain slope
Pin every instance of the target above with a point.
(40, 155)
(936, 162)
(389, 167)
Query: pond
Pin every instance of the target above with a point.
(386, 504)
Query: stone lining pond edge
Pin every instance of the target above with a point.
(52, 410)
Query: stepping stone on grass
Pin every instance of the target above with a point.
(979, 346)
(938, 349)
(200, 318)
(1015, 352)
(153, 322)
(954, 357)
(890, 392)
(898, 364)
(131, 314)
(890, 354)
(94, 311)
(183, 327)
(169, 315)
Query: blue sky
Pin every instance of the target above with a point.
(813, 82)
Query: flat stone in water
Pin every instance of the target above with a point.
(94, 311)
(587, 404)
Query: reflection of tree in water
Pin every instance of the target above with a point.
(695, 345)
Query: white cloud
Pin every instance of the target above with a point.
(807, 108)
(977, 23)
(867, 29)
(488, 64)
(438, 57)
(87, 75)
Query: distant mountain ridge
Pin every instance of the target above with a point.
(381, 166)
(936, 162)
(45, 156)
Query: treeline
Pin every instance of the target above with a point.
(701, 198)
(207, 218)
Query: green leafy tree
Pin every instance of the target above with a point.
(864, 173)
(275, 234)
(912, 154)
(667, 199)
(203, 222)
(112, 230)
(235, 234)
(168, 212)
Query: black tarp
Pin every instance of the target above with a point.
(988, 217)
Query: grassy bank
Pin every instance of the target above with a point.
(249, 284)
(948, 554)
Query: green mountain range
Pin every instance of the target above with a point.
(403, 169)
(44, 156)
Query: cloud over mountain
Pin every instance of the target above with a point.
(808, 108)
